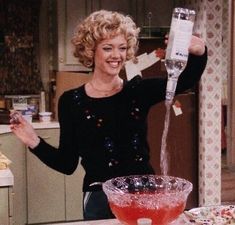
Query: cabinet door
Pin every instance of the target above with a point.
(45, 186)
(4, 205)
(154, 14)
(74, 195)
(69, 13)
(15, 151)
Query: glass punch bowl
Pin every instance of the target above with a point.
(159, 198)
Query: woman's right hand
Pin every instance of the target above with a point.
(23, 130)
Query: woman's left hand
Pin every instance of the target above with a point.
(197, 46)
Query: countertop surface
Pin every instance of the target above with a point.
(37, 125)
(92, 222)
(6, 178)
(180, 221)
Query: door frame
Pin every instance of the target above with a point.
(231, 91)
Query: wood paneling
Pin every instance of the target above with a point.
(66, 81)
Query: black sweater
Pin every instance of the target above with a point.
(109, 134)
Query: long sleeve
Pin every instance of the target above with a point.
(65, 158)
(192, 73)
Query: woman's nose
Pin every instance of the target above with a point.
(115, 53)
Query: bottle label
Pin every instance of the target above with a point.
(179, 39)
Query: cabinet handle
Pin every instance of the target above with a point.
(11, 200)
(11, 221)
(46, 137)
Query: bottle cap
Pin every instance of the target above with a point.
(144, 221)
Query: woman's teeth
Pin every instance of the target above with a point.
(114, 64)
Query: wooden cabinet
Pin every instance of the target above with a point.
(69, 13)
(15, 151)
(52, 196)
(4, 205)
(74, 195)
(6, 211)
(45, 186)
(41, 194)
(6, 197)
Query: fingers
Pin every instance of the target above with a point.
(197, 46)
(16, 118)
(166, 38)
(12, 127)
(197, 50)
(197, 35)
(15, 126)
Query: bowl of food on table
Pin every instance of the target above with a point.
(210, 215)
(162, 199)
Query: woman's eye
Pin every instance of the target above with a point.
(107, 49)
(123, 48)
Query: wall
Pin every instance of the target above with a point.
(209, 22)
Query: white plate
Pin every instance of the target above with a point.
(212, 215)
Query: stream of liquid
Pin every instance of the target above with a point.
(164, 159)
(174, 69)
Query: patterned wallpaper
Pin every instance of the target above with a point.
(209, 22)
(225, 48)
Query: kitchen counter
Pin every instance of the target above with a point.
(92, 222)
(6, 178)
(180, 221)
(37, 125)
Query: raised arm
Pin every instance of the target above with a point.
(195, 66)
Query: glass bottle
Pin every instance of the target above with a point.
(177, 48)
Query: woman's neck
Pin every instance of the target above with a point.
(104, 87)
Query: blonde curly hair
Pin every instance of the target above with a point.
(101, 25)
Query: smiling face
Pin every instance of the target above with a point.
(110, 56)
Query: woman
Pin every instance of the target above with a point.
(104, 121)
